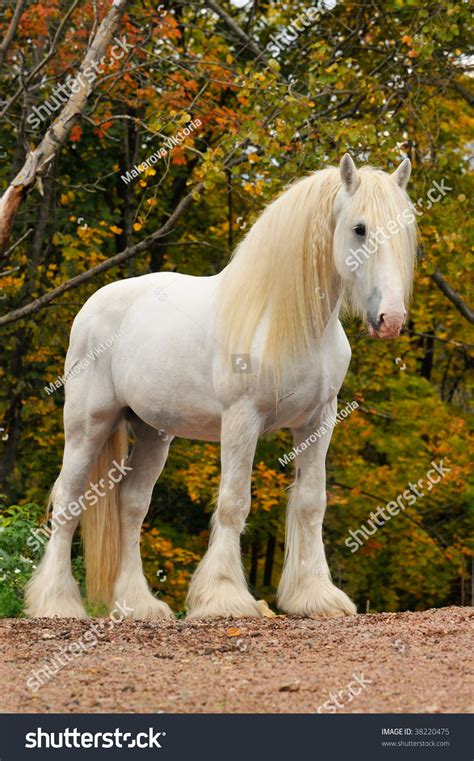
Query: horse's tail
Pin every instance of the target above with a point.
(100, 523)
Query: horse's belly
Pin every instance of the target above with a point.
(168, 384)
(162, 368)
(179, 416)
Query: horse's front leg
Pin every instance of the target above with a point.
(305, 587)
(218, 587)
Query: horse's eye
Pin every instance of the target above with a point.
(360, 230)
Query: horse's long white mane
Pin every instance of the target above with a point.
(284, 268)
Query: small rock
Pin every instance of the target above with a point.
(291, 687)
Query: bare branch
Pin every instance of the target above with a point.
(11, 31)
(457, 344)
(237, 30)
(454, 85)
(448, 291)
(17, 243)
(453, 296)
(84, 277)
(466, 94)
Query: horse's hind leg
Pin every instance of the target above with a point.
(52, 590)
(218, 587)
(147, 461)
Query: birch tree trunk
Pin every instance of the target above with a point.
(37, 161)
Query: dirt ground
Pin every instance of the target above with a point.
(406, 662)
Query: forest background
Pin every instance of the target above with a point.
(279, 89)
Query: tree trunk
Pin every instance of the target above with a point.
(254, 550)
(12, 421)
(270, 554)
(427, 362)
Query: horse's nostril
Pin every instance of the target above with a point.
(381, 319)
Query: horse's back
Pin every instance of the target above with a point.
(151, 346)
(106, 311)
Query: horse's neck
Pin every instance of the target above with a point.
(333, 321)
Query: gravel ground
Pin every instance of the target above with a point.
(407, 662)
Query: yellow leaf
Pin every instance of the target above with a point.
(265, 609)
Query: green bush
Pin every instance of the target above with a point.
(17, 560)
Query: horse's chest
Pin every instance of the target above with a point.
(299, 406)
(315, 386)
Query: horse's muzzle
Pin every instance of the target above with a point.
(387, 326)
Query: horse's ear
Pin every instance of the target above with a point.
(349, 174)
(402, 173)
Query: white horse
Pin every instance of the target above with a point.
(226, 358)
